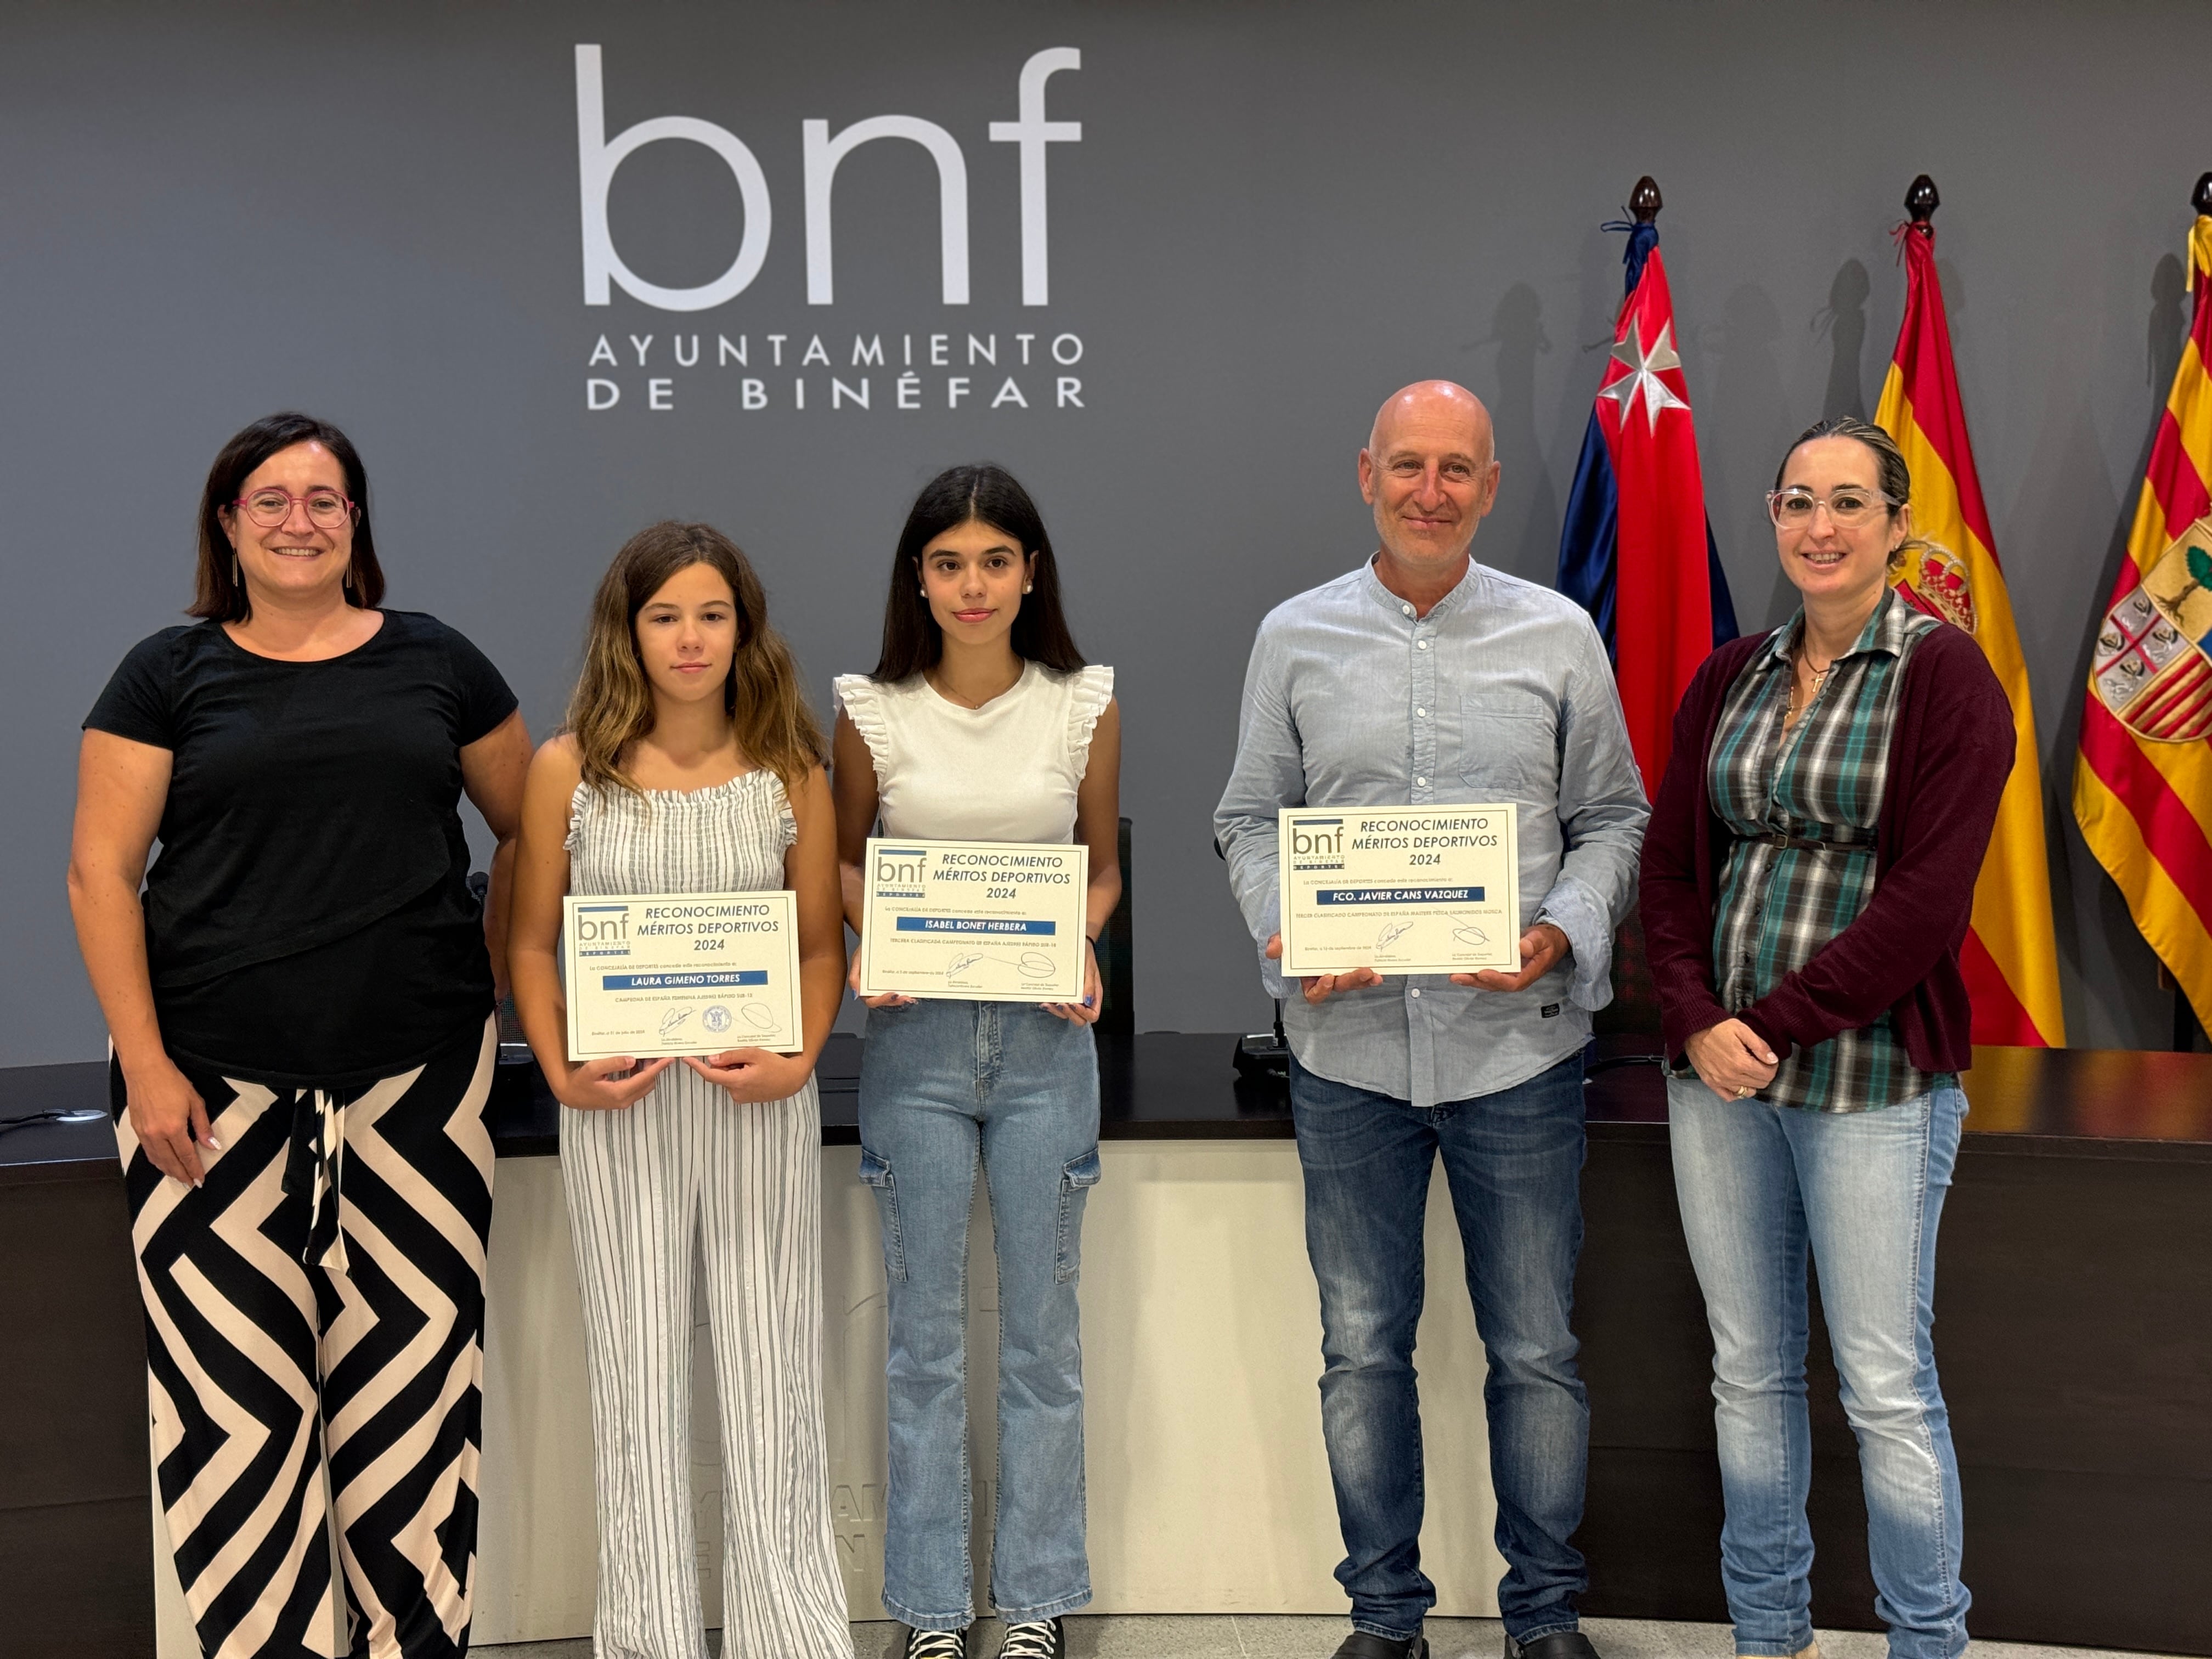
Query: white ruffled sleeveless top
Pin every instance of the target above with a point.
(1007, 771)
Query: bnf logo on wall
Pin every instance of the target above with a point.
(888, 371)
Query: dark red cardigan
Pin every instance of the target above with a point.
(1949, 759)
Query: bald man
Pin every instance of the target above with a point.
(1420, 677)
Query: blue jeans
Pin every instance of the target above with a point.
(1513, 1161)
(941, 1085)
(1760, 1187)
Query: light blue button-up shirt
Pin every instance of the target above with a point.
(1502, 692)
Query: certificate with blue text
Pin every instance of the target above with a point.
(681, 973)
(986, 921)
(1402, 889)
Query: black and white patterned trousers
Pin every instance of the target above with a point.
(320, 1300)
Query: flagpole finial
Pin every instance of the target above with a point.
(2201, 198)
(1921, 201)
(1644, 203)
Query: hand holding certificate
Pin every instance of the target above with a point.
(681, 973)
(1400, 890)
(988, 921)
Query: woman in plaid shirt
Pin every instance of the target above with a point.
(1807, 879)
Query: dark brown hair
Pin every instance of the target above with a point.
(218, 592)
(987, 495)
(612, 706)
(1894, 477)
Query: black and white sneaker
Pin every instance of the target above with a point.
(1034, 1638)
(936, 1644)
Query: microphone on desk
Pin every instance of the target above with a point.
(1260, 1055)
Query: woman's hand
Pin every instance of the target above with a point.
(888, 999)
(1732, 1059)
(170, 1119)
(1086, 1011)
(751, 1075)
(1319, 987)
(597, 1085)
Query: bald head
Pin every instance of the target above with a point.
(1432, 404)
(1430, 472)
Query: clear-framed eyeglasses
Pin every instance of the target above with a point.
(1848, 507)
(326, 509)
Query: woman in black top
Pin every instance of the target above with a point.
(300, 1007)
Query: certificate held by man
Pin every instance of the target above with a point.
(681, 973)
(987, 921)
(1402, 889)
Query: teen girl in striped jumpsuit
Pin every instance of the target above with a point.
(691, 764)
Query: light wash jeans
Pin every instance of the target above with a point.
(1759, 1186)
(1513, 1161)
(943, 1084)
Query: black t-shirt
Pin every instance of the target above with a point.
(308, 922)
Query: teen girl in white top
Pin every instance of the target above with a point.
(981, 722)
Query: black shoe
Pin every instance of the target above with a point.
(935, 1644)
(1365, 1645)
(1559, 1644)
(1034, 1638)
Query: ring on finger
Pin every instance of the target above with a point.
(1744, 1092)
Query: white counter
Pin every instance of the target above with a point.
(1208, 1487)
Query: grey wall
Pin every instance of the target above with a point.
(1276, 215)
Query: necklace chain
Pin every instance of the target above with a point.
(1819, 676)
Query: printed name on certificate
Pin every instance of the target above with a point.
(681, 973)
(991, 921)
(1402, 889)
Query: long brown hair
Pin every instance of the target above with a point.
(217, 592)
(990, 495)
(612, 705)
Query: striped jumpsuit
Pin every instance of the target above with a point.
(744, 1180)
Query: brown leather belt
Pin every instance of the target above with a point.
(1803, 844)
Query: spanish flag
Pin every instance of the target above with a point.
(2011, 954)
(2142, 787)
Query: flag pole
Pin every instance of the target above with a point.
(2185, 1026)
(2009, 954)
(2200, 200)
(1921, 200)
(1643, 201)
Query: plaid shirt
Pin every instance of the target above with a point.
(1822, 782)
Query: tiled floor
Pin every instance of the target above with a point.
(1242, 1637)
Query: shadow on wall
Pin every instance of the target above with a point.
(2068, 492)
(2169, 326)
(1750, 388)
(1844, 320)
(1517, 329)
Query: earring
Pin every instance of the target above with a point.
(237, 575)
(1025, 587)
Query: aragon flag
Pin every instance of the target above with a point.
(2011, 953)
(2142, 784)
(1636, 551)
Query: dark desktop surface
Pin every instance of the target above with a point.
(2082, 1102)
(1161, 1085)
